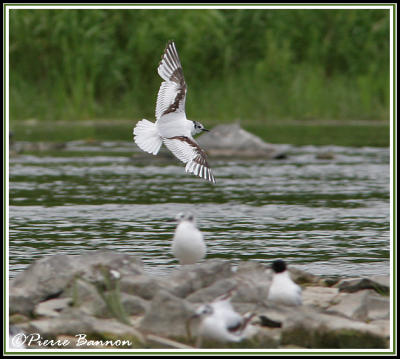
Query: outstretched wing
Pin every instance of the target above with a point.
(172, 93)
(188, 151)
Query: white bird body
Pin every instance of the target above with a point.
(214, 327)
(222, 323)
(188, 245)
(175, 124)
(172, 127)
(284, 291)
(224, 310)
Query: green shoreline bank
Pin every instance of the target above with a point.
(356, 134)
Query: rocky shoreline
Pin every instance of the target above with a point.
(106, 300)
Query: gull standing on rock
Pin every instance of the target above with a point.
(172, 127)
(283, 290)
(219, 321)
(188, 245)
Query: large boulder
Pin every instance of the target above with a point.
(48, 277)
(191, 278)
(167, 314)
(232, 140)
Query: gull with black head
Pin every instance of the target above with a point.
(283, 290)
(172, 127)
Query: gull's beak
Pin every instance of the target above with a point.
(204, 129)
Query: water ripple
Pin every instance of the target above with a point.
(325, 216)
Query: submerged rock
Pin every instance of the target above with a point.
(107, 295)
(17, 147)
(325, 156)
(232, 140)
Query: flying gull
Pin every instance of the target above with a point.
(172, 127)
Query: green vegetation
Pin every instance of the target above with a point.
(256, 66)
(296, 133)
(110, 292)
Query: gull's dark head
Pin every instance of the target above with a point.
(278, 266)
(198, 127)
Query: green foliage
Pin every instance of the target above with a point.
(110, 292)
(342, 134)
(239, 64)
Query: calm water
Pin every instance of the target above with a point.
(327, 216)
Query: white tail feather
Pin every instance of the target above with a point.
(146, 136)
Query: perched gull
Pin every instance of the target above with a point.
(172, 127)
(188, 244)
(283, 290)
(219, 321)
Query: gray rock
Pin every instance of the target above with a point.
(354, 285)
(208, 294)
(25, 146)
(52, 307)
(232, 140)
(383, 280)
(252, 287)
(316, 319)
(325, 156)
(144, 286)
(378, 307)
(278, 313)
(86, 296)
(249, 267)
(302, 277)
(322, 297)
(249, 285)
(328, 281)
(167, 315)
(383, 327)
(190, 278)
(364, 305)
(315, 329)
(108, 295)
(133, 304)
(80, 290)
(48, 277)
(97, 308)
(309, 326)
